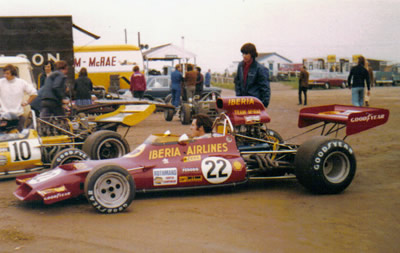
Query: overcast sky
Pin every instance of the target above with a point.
(216, 29)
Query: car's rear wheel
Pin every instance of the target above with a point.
(68, 155)
(324, 165)
(169, 114)
(105, 144)
(109, 188)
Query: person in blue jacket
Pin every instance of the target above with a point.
(252, 78)
(176, 85)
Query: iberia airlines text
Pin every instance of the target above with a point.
(192, 150)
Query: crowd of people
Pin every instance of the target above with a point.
(252, 79)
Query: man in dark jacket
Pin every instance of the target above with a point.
(53, 92)
(303, 84)
(252, 78)
(357, 78)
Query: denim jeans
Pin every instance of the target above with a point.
(176, 95)
(357, 96)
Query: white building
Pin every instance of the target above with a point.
(272, 61)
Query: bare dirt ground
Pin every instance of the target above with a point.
(265, 216)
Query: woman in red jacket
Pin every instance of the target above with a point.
(138, 83)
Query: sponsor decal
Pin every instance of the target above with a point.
(191, 150)
(192, 158)
(247, 112)
(229, 139)
(332, 144)
(216, 170)
(4, 150)
(45, 176)
(54, 193)
(367, 118)
(165, 176)
(252, 119)
(3, 160)
(184, 170)
(241, 101)
(189, 179)
(80, 166)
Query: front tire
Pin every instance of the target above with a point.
(324, 165)
(68, 155)
(169, 114)
(186, 114)
(109, 188)
(105, 144)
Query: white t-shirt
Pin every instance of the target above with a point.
(12, 95)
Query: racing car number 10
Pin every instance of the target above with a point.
(24, 150)
(216, 170)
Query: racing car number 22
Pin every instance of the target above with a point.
(216, 170)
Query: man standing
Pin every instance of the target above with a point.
(176, 84)
(53, 93)
(357, 78)
(303, 84)
(207, 78)
(12, 92)
(252, 78)
(199, 82)
(190, 82)
(138, 83)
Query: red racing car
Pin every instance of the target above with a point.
(240, 148)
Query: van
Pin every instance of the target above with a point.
(104, 63)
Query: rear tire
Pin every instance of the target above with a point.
(109, 188)
(169, 114)
(105, 144)
(324, 165)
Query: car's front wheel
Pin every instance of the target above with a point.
(109, 188)
(68, 155)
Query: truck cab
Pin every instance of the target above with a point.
(24, 68)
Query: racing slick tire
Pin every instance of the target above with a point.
(186, 114)
(169, 114)
(109, 188)
(324, 165)
(272, 135)
(105, 144)
(68, 155)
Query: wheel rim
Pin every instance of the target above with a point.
(336, 167)
(110, 148)
(111, 190)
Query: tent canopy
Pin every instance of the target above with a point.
(168, 52)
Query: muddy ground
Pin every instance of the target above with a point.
(265, 216)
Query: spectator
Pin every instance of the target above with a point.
(83, 89)
(252, 78)
(207, 79)
(190, 82)
(138, 83)
(53, 94)
(199, 82)
(176, 85)
(303, 84)
(12, 92)
(48, 68)
(357, 78)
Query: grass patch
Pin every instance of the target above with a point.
(230, 86)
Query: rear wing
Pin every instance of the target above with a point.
(355, 119)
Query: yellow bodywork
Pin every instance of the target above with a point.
(128, 115)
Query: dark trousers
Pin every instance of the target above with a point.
(303, 90)
(138, 94)
(50, 108)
